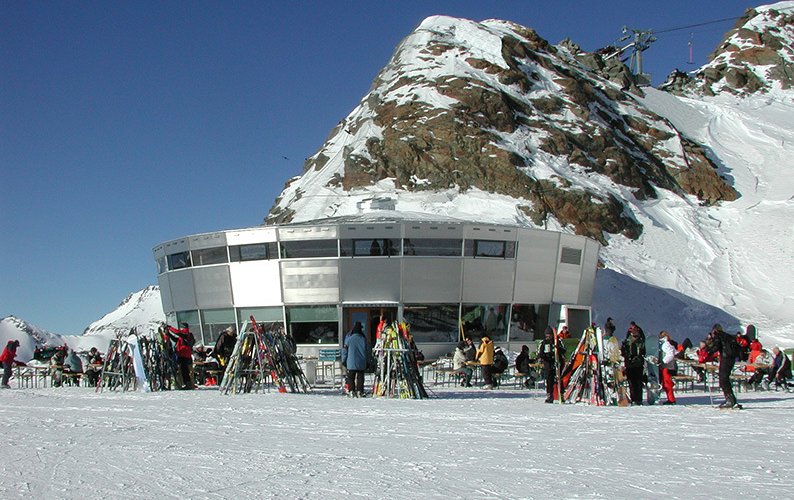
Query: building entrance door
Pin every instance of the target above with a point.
(369, 317)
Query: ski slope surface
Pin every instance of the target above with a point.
(74, 443)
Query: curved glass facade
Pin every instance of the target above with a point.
(446, 278)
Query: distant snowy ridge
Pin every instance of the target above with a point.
(141, 310)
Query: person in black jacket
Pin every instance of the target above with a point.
(224, 346)
(522, 365)
(780, 371)
(725, 344)
(633, 351)
(546, 355)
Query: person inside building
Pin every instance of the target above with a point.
(564, 333)
(459, 364)
(633, 351)
(224, 346)
(355, 352)
(552, 358)
(93, 367)
(667, 366)
(728, 348)
(184, 352)
(8, 359)
(485, 358)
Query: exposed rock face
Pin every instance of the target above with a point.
(755, 56)
(491, 106)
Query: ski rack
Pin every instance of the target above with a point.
(397, 374)
(117, 369)
(261, 358)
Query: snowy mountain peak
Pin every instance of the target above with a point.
(466, 112)
(487, 121)
(757, 55)
(142, 310)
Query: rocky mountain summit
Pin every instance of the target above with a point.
(492, 107)
(755, 56)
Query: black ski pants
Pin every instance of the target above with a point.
(185, 367)
(355, 381)
(551, 376)
(725, 370)
(634, 378)
(7, 371)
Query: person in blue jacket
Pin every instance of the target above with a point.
(354, 356)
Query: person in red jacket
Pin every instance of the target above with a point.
(184, 352)
(8, 360)
(704, 357)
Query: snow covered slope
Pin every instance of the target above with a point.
(692, 196)
(142, 310)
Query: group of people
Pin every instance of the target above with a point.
(197, 364)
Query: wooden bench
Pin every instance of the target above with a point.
(684, 382)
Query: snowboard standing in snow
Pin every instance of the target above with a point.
(652, 385)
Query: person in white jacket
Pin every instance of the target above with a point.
(667, 366)
(459, 364)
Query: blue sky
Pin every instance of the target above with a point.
(126, 124)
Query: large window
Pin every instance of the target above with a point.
(255, 251)
(213, 322)
(481, 320)
(192, 319)
(178, 260)
(381, 247)
(208, 256)
(432, 247)
(306, 249)
(260, 314)
(490, 248)
(528, 321)
(162, 265)
(313, 324)
(433, 323)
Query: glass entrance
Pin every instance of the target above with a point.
(369, 317)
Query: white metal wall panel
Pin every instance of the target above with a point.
(569, 276)
(488, 280)
(432, 230)
(255, 283)
(536, 256)
(165, 293)
(589, 268)
(183, 293)
(159, 251)
(431, 280)
(254, 235)
(354, 231)
(370, 279)
(476, 232)
(213, 287)
(310, 281)
(307, 233)
(208, 240)
(176, 246)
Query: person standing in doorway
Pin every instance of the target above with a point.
(355, 352)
